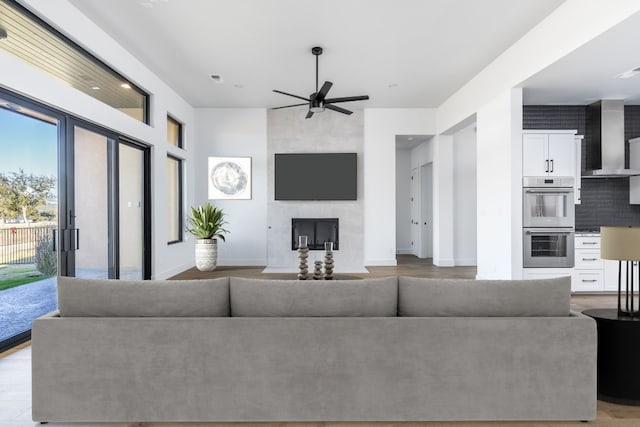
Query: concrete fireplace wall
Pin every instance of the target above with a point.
(329, 132)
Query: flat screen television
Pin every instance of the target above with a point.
(316, 176)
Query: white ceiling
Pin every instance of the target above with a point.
(408, 142)
(588, 73)
(403, 53)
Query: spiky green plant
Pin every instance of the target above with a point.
(206, 222)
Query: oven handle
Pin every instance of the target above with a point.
(554, 191)
(549, 231)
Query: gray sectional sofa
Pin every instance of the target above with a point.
(390, 349)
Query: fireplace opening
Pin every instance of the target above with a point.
(317, 230)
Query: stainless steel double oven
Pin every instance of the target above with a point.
(548, 222)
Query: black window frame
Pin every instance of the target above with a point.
(180, 142)
(88, 55)
(179, 161)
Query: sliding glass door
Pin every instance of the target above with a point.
(131, 211)
(74, 201)
(89, 234)
(107, 217)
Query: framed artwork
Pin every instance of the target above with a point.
(229, 178)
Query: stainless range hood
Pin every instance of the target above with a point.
(606, 123)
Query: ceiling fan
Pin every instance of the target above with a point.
(318, 101)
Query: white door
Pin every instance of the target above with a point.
(426, 210)
(534, 154)
(562, 154)
(415, 212)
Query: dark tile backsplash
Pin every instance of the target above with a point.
(604, 201)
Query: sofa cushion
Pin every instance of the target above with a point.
(424, 297)
(79, 297)
(297, 298)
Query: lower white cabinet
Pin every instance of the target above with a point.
(588, 270)
(545, 273)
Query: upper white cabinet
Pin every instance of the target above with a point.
(549, 153)
(552, 153)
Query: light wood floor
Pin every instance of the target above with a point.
(17, 362)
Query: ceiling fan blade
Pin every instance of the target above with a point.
(323, 91)
(289, 94)
(287, 106)
(309, 115)
(338, 109)
(347, 99)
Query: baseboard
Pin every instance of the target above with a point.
(404, 251)
(170, 273)
(444, 262)
(381, 262)
(466, 261)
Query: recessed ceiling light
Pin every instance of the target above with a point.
(410, 138)
(216, 78)
(629, 73)
(95, 87)
(125, 86)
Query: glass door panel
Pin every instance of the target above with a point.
(89, 236)
(29, 139)
(131, 211)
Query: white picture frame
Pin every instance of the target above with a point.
(229, 178)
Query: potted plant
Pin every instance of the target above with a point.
(206, 224)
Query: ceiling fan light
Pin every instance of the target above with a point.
(316, 106)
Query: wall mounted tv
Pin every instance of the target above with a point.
(316, 176)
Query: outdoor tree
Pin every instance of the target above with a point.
(21, 194)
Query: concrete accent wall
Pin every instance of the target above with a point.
(289, 132)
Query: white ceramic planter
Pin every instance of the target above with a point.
(206, 254)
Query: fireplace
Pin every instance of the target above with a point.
(318, 231)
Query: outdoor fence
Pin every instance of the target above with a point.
(18, 244)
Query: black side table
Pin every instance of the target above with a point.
(618, 353)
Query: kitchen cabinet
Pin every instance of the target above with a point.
(545, 273)
(588, 270)
(549, 153)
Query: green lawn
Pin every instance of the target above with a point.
(17, 275)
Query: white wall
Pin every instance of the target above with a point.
(21, 78)
(236, 132)
(381, 125)
(443, 219)
(464, 196)
(403, 204)
(499, 177)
